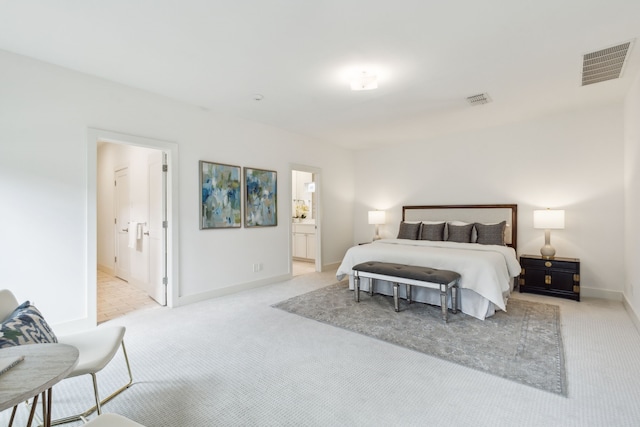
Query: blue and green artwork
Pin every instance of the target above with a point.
(221, 198)
(260, 198)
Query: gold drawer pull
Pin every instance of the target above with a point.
(548, 264)
(547, 279)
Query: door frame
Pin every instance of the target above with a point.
(317, 173)
(116, 242)
(95, 136)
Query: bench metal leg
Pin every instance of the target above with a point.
(356, 287)
(396, 304)
(454, 297)
(408, 289)
(443, 301)
(371, 286)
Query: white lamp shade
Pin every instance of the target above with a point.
(376, 217)
(548, 219)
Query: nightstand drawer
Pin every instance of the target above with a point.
(550, 264)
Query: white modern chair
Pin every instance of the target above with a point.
(112, 420)
(96, 348)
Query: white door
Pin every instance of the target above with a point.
(157, 232)
(122, 264)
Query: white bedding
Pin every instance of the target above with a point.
(485, 270)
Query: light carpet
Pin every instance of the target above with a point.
(523, 344)
(237, 361)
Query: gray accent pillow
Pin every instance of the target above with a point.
(459, 233)
(409, 230)
(432, 232)
(491, 234)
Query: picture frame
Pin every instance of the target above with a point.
(261, 198)
(220, 196)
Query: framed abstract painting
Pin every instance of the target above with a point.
(261, 201)
(220, 196)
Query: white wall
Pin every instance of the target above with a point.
(571, 161)
(632, 199)
(45, 112)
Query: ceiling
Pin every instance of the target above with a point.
(429, 56)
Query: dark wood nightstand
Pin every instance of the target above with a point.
(558, 277)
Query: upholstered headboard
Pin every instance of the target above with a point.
(469, 213)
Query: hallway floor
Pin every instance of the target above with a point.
(117, 298)
(302, 267)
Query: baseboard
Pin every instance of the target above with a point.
(634, 316)
(333, 266)
(600, 293)
(190, 299)
(138, 284)
(106, 269)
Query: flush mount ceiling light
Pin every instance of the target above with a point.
(364, 81)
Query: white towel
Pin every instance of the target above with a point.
(133, 232)
(139, 231)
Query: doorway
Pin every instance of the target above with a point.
(152, 188)
(306, 245)
(136, 199)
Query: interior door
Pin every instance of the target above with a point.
(122, 267)
(157, 231)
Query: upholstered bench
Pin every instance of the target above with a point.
(409, 275)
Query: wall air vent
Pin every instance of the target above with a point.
(605, 64)
(480, 99)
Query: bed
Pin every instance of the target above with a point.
(477, 241)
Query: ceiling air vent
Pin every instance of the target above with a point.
(480, 99)
(605, 64)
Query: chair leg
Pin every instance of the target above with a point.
(95, 393)
(98, 406)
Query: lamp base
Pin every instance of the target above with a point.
(377, 235)
(547, 251)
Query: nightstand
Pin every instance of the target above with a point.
(558, 277)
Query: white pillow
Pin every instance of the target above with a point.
(459, 223)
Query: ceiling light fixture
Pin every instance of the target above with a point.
(364, 81)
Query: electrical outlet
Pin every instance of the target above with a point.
(257, 267)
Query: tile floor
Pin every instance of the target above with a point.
(117, 298)
(303, 267)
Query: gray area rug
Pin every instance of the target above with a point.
(524, 344)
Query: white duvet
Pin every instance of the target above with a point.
(486, 270)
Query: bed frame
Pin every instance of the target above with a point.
(469, 213)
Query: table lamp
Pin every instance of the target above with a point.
(376, 218)
(548, 219)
